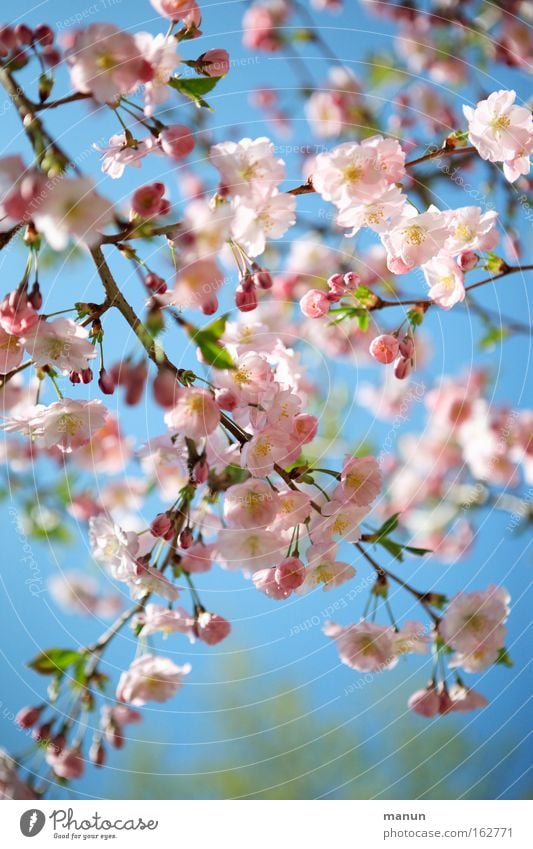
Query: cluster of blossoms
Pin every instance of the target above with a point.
(245, 437)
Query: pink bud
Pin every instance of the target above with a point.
(226, 400)
(215, 62)
(407, 347)
(155, 283)
(165, 388)
(245, 301)
(74, 377)
(305, 427)
(106, 382)
(23, 34)
(336, 282)
(28, 716)
(42, 732)
(290, 574)
(97, 753)
(44, 34)
(467, 260)
(8, 39)
(265, 581)
(177, 141)
(210, 305)
(351, 280)
(135, 381)
(424, 702)
(51, 56)
(35, 298)
(161, 525)
(86, 375)
(185, 540)
(402, 368)
(212, 628)
(263, 279)
(146, 201)
(384, 348)
(314, 303)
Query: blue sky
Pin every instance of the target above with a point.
(264, 642)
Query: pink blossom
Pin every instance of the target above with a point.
(197, 558)
(113, 548)
(60, 343)
(252, 504)
(465, 699)
(471, 230)
(265, 581)
(11, 351)
(248, 167)
(195, 414)
(360, 480)
(384, 348)
(376, 215)
(197, 285)
(151, 678)
(315, 303)
(160, 53)
(113, 720)
(501, 131)
(415, 238)
(212, 628)
(146, 200)
(265, 218)
(446, 281)
(176, 141)
(365, 646)
(121, 152)
(106, 62)
(294, 508)
(340, 519)
(290, 573)
(248, 549)
(150, 580)
(72, 209)
(67, 763)
(474, 621)
(65, 424)
(324, 569)
(250, 380)
(17, 315)
(263, 451)
(425, 702)
(157, 618)
(178, 10)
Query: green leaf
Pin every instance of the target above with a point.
(420, 552)
(207, 340)
(388, 526)
(194, 88)
(393, 548)
(54, 661)
(492, 337)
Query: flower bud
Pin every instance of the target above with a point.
(214, 63)
(467, 260)
(212, 628)
(185, 538)
(290, 574)
(44, 34)
(402, 368)
(177, 141)
(28, 716)
(106, 382)
(384, 348)
(86, 375)
(314, 304)
(165, 388)
(97, 754)
(245, 301)
(201, 472)
(155, 283)
(161, 525)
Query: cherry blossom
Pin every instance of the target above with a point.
(60, 343)
(502, 132)
(248, 167)
(151, 678)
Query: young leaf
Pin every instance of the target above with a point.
(52, 661)
(194, 88)
(207, 340)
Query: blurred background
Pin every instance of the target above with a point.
(271, 712)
